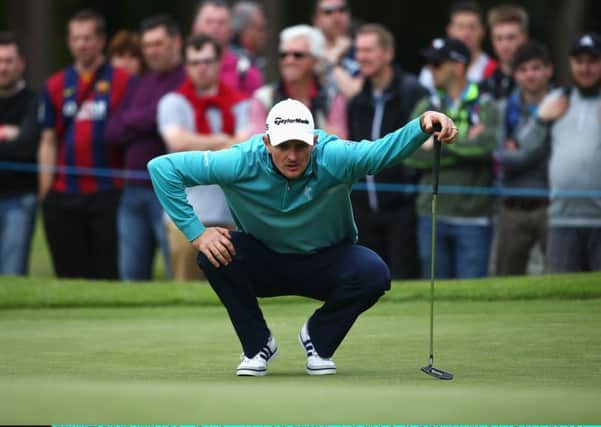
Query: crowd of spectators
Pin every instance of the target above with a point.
(123, 101)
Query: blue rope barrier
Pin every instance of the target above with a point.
(380, 187)
(485, 191)
(75, 170)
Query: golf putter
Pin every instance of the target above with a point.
(430, 369)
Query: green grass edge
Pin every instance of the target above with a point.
(19, 292)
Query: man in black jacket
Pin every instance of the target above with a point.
(19, 138)
(386, 220)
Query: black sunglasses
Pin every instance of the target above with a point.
(329, 10)
(294, 53)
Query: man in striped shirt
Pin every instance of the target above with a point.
(79, 195)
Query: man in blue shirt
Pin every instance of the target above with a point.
(288, 192)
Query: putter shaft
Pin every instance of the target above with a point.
(430, 369)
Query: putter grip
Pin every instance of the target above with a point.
(436, 163)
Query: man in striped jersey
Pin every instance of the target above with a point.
(79, 197)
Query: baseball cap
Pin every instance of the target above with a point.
(446, 49)
(587, 43)
(290, 120)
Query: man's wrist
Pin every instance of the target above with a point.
(329, 66)
(541, 121)
(421, 123)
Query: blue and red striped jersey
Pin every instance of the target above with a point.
(77, 109)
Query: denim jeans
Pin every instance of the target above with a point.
(141, 230)
(462, 251)
(17, 219)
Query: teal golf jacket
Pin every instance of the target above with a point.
(297, 216)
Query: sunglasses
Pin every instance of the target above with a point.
(294, 53)
(329, 10)
(196, 62)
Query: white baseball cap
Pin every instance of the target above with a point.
(290, 120)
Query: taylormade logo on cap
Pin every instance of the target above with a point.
(279, 121)
(290, 120)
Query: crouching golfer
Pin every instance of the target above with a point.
(288, 191)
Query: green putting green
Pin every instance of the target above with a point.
(524, 350)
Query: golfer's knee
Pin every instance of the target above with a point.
(375, 276)
(203, 262)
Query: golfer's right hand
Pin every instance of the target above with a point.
(448, 131)
(216, 244)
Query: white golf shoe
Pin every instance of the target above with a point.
(316, 365)
(256, 366)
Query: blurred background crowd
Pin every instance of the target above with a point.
(91, 91)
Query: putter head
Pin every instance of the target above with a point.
(437, 373)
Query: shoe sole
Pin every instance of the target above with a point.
(254, 373)
(323, 371)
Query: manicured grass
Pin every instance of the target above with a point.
(522, 351)
(39, 258)
(36, 292)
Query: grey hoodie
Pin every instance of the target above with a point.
(527, 166)
(575, 162)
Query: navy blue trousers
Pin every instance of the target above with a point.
(348, 278)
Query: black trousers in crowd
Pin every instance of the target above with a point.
(393, 236)
(348, 278)
(573, 249)
(518, 230)
(82, 233)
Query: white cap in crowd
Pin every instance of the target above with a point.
(290, 120)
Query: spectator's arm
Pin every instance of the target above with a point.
(532, 146)
(132, 119)
(179, 139)
(481, 139)
(117, 130)
(242, 116)
(348, 85)
(46, 161)
(141, 118)
(24, 147)
(257, 112)
(48, 144)
(336, 120)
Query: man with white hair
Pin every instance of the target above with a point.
(288, 190)
(301, 56)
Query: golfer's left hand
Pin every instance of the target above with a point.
(448, 131)
(216, 244)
